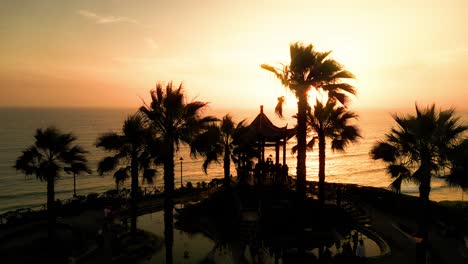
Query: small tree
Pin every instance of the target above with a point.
(218, 141)
(333, 122)
(135, 152)
(52, 153)
(418, 149)
(78, 164)
(174, 121)
(420, 146)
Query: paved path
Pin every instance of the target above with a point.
(443, 249)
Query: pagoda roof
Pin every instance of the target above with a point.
(264, 128)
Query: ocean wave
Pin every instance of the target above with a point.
(349, 155)
(23, 195)
(364, 171)
(19, 206)
(415, 189)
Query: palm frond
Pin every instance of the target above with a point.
(294, 149)
(282, 75)
(398, 170)
(28, 162)
(110, 141)
(77, 168)
(339, 87)
(107, 164)
(396, 184)
(149, 175)
(385, 151)
(279, 106)
(311, 143)
(121, 175)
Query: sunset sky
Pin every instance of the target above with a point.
(111, 53)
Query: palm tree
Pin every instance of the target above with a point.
(458, 175)
(215, 142)
(174, 121)
(418, 148)
(134, 154)
(50, 154)
(78, 165)
(331, 121)
(245, 149)
(310, 69)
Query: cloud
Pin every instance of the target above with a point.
(106, 19)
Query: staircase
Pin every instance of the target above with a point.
(357, 213)
(248, 226)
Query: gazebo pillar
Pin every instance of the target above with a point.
(284, 150)
(262, 149)
(277, 151)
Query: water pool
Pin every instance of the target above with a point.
(197, 247)
(187, 248)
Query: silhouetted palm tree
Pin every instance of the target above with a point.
(333, 122)
(50, 154)
(78, 165)
(174, 121)
(245, 149)
(215, 142)
(418, 148)
(134, 153)
(459, 166)
(310, 69)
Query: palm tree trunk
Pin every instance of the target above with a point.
(321, 174)
(424, 191)
(421, 247)
(168, 229)
(74, 184)
(50, 206)
(168, 202)
(134, 194)
(425, 188)
(301, 162)
(169, 172)
(301, 142)
(227, 168)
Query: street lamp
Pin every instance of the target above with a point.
(181, 184)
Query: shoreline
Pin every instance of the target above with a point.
(412, 193)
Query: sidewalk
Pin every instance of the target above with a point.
(442, 250)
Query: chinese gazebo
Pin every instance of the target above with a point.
(269, 135)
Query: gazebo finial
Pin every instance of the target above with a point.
(261, 109)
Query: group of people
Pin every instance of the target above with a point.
(352, 249)
(276, 173)
(108, 219)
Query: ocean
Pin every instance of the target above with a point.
(18, 125)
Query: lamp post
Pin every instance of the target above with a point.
(181, 160)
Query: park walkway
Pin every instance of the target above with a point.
(442, 249)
